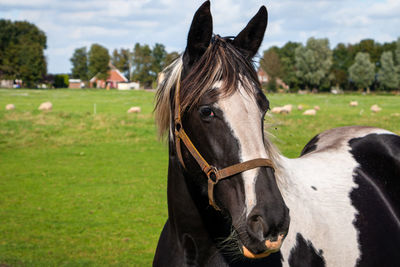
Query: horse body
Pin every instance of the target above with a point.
(338, 193)
(338, 204)
(330, 192)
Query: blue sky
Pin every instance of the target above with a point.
(122, 23)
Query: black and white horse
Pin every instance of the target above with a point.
(336, 205)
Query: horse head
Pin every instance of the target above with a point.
(219, 103)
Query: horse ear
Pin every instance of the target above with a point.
(250, 38)
(200, 34)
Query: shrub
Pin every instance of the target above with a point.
(61, 81)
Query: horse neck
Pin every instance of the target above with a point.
(189, 218)
(182, 210)
(286, 178)
(188, 210)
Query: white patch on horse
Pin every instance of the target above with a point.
(338, 137)
(242, 115)
(323, 216)
(316, 188)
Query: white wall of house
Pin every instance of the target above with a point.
(128, 86)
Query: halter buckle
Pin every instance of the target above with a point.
(178, 125)
(212, 175)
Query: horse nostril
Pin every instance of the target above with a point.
(257, 227)
(274, 238)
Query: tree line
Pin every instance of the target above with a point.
(22, 57)
(142, 63)
(362, 66)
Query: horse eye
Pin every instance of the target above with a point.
(206, 112)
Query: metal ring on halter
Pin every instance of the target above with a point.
(212, 175)
(178, 126)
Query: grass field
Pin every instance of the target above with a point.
(85, 189)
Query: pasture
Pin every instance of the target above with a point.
(85, 189)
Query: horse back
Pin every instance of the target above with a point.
(376, 196)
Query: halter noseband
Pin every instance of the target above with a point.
(213, 174)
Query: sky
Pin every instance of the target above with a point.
(70, 24)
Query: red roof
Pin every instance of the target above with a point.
(115, 75)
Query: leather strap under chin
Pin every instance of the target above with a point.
(213, 174)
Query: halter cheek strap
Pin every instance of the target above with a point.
(213, 174)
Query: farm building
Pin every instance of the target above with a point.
(6, 83)
(75, 84)
(114, 78)
(128, 86)
(10, 83)
(264, 78)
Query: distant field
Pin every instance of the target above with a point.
(85, 189)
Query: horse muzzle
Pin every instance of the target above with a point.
(272, 246)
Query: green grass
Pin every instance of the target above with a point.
(85, 189)
(293, 131)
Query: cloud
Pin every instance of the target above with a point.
(122, 23)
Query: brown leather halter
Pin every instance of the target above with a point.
(213, 174)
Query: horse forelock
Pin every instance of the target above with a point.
(163, 109)
(221, 62)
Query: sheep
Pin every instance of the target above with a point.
(10, 107)
(46, 106)
(310, 112)
(286, 109)
(353, 104)
(134, 110)
(375, 108)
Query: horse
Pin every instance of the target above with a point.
(234, 200)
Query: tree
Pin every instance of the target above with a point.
(369, 46)
(387, 75)
(142, 65)
(79, 62)
(98, 61)
(22, 47)
(158, 54)
(397, 52)
(271, 64)
(170, 57)
(342, 60)
(397, 58)
(313, 61)
(122, 60)
(61, 81)
(288, 64)
(362, 72)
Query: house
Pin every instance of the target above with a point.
(264, 78)
(114, 78)
(10, 83)
(6, 83)
(128, 86)
(75, 84)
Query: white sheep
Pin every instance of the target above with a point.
(375, 108)
(10, 107)
(353, 104)
(286, 109)
(134, 110)
(46, 106)
(310, 112)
